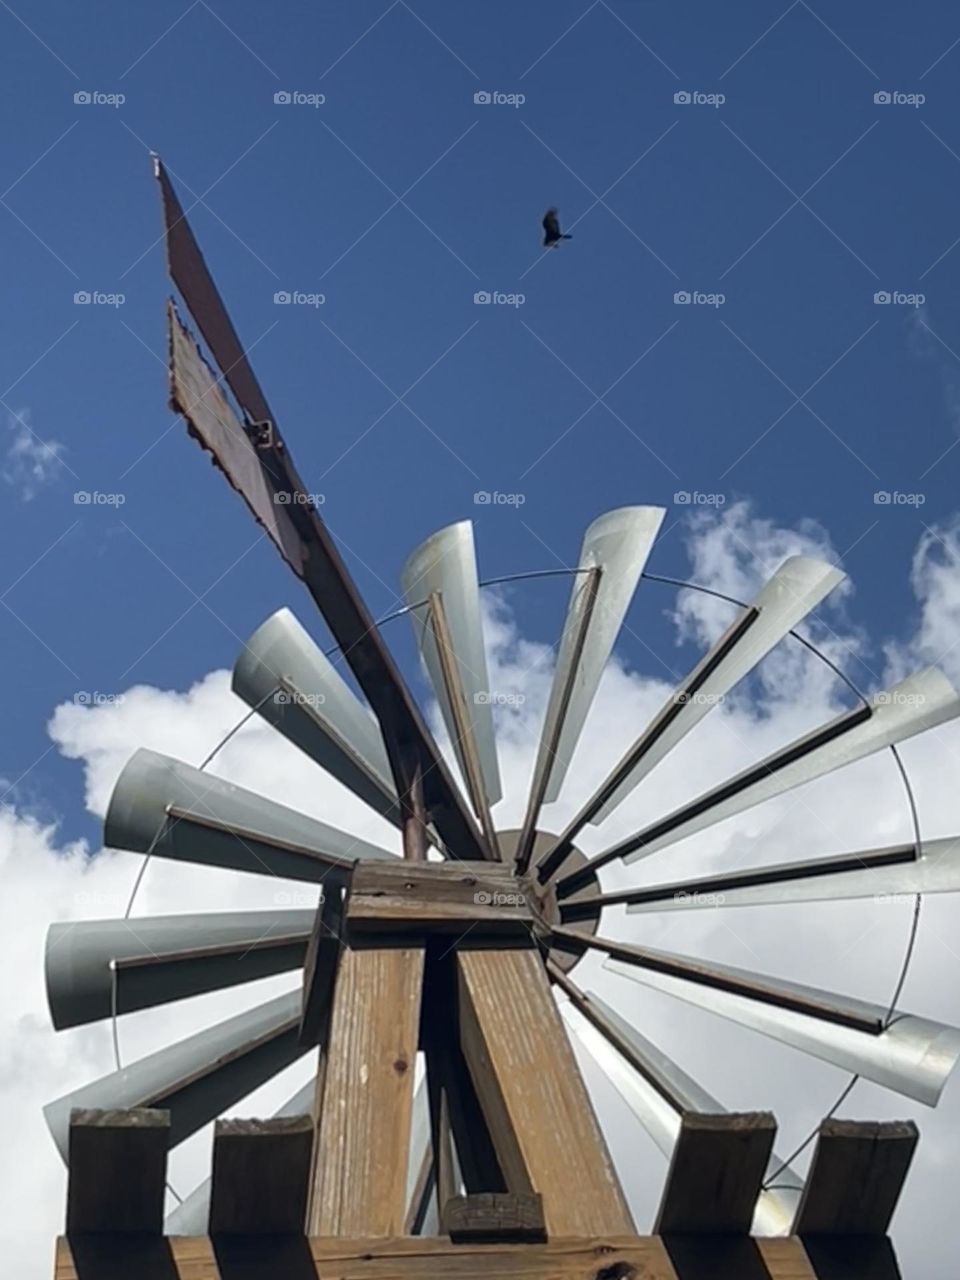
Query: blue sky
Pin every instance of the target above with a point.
(798, 198)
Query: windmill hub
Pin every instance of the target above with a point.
(543, 897)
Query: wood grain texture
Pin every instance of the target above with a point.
(363, 1136)
(533, 1097)
(590, 1258)
(786, 1258)
(715, 1173)
(446, 897)
(117, 1170)
(261, 1174)
(856, 1176)
(491, 1216)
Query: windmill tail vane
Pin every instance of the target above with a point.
(464, 951)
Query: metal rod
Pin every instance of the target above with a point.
(547, 750)
(453, 684)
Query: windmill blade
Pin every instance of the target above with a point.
(294, 686)
(911, 1055)
(659, 1092)
(446, 565)
(920, 702)
(168, 808)
(886, 874)
(612, 558)
(192, 1217)
(97, 967)
(797, 587)
(198, 1078)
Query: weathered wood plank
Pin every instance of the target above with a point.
(431, 897)
(715, 1174)
(261, 1174)
(363, 1138)
(320, 968)
(533, 1097)
(786, 1258)
(118, 1170)
(856, 1176)
(419, 1258)
(492, 1216)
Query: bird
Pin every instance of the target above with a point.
(551, 228)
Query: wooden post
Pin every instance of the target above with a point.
(533, 1097)
(363, 1135)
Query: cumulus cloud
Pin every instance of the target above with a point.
(30, 462)
(853, 948)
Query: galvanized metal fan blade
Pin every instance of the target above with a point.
(166, 807)
(912, 1055)
(192, 1217)
(295, 687)
(198, 1078)
(97, 967)
(612, 558)
(658, 1092)
(796, 588)
(892, 872)
(920, 702)
(441, 585)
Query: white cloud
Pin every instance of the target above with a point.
(30, 462)
(853, 948)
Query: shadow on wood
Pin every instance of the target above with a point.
(715, 1258)
(264, 1258)
(852, 1257)
(121, 1257)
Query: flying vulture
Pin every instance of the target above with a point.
(552, 235)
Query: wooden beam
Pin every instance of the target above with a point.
(437, 897)
(363, 1138)
(261, 1175)
(856, 1176)
(118, 1171)
(716, 1173)
(490, 1217)
(320, 968)
(533, 1097)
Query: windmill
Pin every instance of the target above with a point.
(466, 946)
